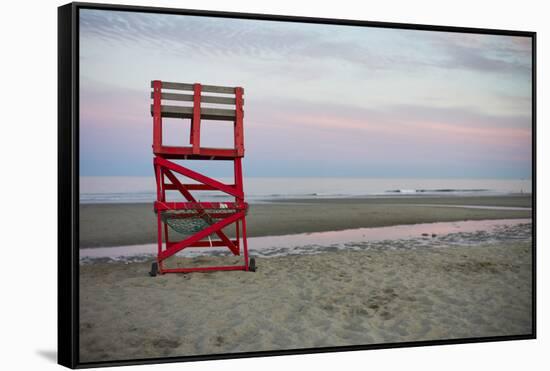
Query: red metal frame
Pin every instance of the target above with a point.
(166, 170)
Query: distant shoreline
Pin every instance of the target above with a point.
(417, 195)
(118, 189)
(104, 225)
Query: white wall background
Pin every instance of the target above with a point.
(29, 142)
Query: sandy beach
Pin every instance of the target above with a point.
(456, 286)
(130, 224)
(329, 299)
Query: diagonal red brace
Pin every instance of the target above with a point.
(199, 177)
(178, 246)
(234, 249)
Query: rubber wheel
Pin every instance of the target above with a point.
(154, 269)
(252, 265)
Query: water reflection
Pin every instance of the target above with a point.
(401, 236)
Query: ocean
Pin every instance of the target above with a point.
(115, 189)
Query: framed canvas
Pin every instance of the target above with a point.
(240, 185)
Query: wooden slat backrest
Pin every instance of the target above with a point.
(196, 104)
(207, 113)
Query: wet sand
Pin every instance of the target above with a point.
(329, 299)
(104, 225)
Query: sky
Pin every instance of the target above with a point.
(320, 100)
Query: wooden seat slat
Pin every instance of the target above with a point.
(189, 98)
(187, 112)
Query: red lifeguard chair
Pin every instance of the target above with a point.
(197, 221)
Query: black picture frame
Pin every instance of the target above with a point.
(68, 180)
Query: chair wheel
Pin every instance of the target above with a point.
(252, 265)
(154, 269)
